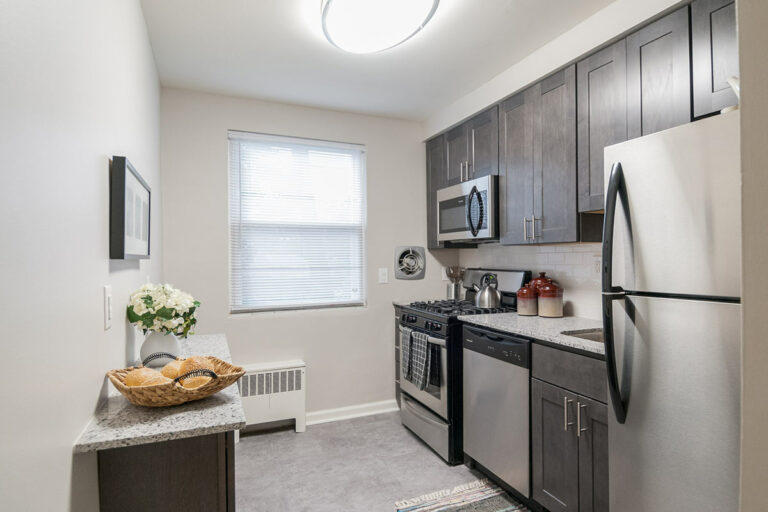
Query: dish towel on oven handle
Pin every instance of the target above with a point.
(420, 359)
(405, 352)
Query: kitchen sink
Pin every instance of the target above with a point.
(587, 334)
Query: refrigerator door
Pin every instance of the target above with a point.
(684, 194)
(678, 364)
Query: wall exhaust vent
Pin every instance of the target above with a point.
(410, 262)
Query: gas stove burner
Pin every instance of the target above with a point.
(456, 308)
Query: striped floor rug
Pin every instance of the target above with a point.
(478, 496)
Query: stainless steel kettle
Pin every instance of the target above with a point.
(488, 296)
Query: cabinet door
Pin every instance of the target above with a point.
(484, 144)
(659, 75)
(435, 180)
(456, 155)
(554, 159)
(554, 447)
(516, 168)
(715, 55)
(602, 117)
(593, 455)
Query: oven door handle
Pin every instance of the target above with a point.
(413, 410)
(436, 341)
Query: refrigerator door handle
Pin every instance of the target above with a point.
(616, 190)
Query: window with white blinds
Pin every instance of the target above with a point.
(296, 223)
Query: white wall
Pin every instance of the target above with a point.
(571, 265)
(78, 85)
(606, 24)
(753, 41)
(349, 351)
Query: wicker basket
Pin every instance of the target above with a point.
(173, 393)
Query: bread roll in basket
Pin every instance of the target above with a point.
(172, 392)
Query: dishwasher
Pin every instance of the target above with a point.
(496, 405)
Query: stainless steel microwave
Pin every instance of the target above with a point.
(467, 211)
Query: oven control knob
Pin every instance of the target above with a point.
(436, 326)
(403, 317)
(411, 318)
(428, 325)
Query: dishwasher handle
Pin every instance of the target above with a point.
(509, 349)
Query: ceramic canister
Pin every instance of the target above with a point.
(537, 282)
(527, 301)
(550, 300)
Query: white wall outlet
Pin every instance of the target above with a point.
(597, 266)
(107, 307)
(383, 275)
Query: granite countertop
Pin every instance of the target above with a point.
(545, 329)
(117, 422)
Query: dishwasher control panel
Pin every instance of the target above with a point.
(511, 349)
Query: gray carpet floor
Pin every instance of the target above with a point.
(359, 465)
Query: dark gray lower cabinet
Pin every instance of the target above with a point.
(715, 50)
(569, 445)
(196, 474)
(592, 419)
(555, 447)
(659, 75)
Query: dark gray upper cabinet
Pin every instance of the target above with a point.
(554, 447)
(472, 148)
(456, 155)
(602, 117)
(483, 141)
(516, 167)
(435, 180)
(592, 419)
(537, 183)
(715, 55)
(659, 75)
(554, 149)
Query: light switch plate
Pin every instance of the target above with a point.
(107, 307)
(383, 275)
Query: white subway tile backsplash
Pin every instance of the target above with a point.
(571, 265)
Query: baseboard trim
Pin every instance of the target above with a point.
(351, 411)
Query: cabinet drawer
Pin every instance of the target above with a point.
(580, 374)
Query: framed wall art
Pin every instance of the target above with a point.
(129, 212)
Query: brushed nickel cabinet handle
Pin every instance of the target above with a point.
(533, 221)
(579, 430)
(566, 423)
(525, 228)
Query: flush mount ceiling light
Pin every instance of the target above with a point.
(368, 26)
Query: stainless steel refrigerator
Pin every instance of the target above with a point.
(672, 318)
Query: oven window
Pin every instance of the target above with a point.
(453, 215)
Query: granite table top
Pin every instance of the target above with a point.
(117, 422)
(545, 329)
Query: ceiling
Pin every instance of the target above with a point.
(275, 50)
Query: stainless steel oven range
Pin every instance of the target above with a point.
(433, 410)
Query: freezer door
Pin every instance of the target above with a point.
(679, 367)
(684, 193)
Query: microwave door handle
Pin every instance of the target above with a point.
(469, 212)
(474, 193)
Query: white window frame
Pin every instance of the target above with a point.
(235, 135)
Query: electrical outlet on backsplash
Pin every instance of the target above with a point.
(571, 265)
